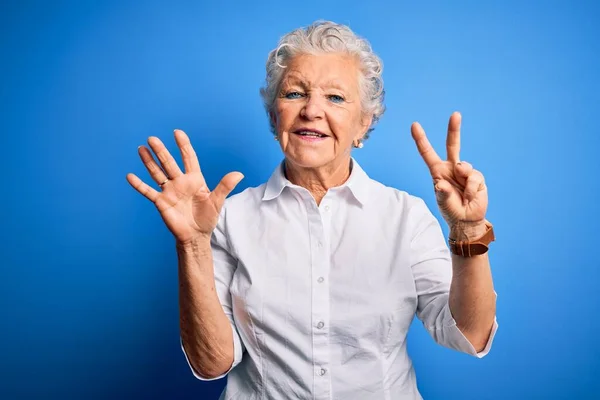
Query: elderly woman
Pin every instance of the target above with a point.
(305, 287)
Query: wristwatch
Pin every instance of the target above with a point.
(475, 247)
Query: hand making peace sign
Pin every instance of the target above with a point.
(460, 190)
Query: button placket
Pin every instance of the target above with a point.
(320, 298)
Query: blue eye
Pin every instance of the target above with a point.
(336, 98)
(293, 95)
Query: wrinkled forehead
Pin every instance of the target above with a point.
(336, 71)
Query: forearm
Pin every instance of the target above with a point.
(205, 329)
(472, 297)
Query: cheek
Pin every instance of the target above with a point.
(345, 124)
(283, 116)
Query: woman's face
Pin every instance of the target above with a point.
(317, 111)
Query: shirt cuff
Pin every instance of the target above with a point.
(237, 357)
(463, 344)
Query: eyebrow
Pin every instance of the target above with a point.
(293, 79)
(334, 84)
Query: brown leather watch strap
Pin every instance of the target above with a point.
(475, 247)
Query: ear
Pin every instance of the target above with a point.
(273, 118)
(365, 123)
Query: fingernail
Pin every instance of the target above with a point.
(458, 163)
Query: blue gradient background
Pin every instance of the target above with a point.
(88, 271)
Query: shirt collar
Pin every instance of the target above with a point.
(357, 183)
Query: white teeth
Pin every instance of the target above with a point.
(308, 133)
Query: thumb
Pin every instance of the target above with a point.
(447, 197)
(227, 184)
(443, 190)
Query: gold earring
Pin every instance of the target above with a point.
(358, 144)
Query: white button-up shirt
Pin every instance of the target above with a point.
(320, 297)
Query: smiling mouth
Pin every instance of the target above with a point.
(310, 134)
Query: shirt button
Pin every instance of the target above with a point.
(320, 325)
(321, 279)
(322, 372)
(320, 244)
(326, 208)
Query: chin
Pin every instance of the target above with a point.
(308, 160)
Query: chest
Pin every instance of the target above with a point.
(345, 273)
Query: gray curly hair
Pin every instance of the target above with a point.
(327, 37)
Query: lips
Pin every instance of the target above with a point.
(310, 133)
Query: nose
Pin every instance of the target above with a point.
(312, 109)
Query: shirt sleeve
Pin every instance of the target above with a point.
(224, 268)
(431, 264)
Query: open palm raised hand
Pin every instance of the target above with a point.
(460, 190)
(187, 206)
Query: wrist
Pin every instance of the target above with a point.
(468, 231)
(194, 244)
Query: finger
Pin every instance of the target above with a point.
(188, 154)
(445, 194)
(155, 171)
(425, 149)
(475, 183)
(227, 184)
(462, 170)
(142, 188)
(453, 138)
(165, 158)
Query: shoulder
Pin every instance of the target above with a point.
(387, 197)
(408, 213)
(247, 198)
(241, 206)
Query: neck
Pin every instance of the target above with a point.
(318, 180)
